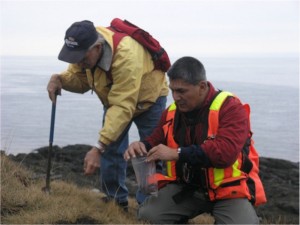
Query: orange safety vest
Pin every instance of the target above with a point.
(168, 128)
(237, 181)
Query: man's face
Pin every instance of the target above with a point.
(187, 96)
(91, 58)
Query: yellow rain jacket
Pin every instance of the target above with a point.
(134, 87)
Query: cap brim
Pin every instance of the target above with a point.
(71, 56)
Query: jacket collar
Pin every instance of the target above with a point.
(211, 94)
(106, 58)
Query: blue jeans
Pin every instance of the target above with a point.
(113, 165)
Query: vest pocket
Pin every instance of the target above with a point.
(232, 183)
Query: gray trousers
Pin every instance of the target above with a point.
(164, 210)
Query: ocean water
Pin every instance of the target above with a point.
(269, 84)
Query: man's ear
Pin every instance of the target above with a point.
(99, 46)
(202, 86)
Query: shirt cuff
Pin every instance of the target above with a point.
(100, 147)
(194, 155)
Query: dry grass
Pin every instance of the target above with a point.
(24, 202)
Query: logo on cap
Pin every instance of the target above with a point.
(71, 43)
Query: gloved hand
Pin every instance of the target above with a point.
(54, 87)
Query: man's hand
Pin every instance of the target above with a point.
(135, 148)
(162, 152)
(91, 161)
(54, 87)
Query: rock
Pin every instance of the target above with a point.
(281, 183)
(67, 165)
(280, 178)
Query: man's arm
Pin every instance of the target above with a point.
(143, 147)
(231, 136)
(74, 79)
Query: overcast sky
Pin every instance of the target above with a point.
(186, 27)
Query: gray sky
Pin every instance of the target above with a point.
(186, 27)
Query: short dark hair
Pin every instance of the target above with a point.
(187, 69)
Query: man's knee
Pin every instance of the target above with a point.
(157, 216)
(154, 215)
(235, 211)
(146, 214)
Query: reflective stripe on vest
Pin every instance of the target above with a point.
(168, 130)
(218, 175)
(213, 117)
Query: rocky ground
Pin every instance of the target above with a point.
(280, 178)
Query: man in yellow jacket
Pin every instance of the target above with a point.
(129, 88)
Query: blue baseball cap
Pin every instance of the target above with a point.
(79, 37)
